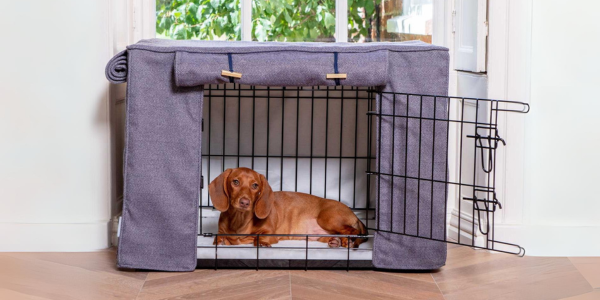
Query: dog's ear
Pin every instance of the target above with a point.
(217, 190)
(265, 199)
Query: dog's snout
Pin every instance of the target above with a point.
(244, 202)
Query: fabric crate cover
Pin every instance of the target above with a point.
(162, 169)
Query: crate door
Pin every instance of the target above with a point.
(435, 173)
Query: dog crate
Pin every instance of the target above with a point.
(419, 170)
(321, 141)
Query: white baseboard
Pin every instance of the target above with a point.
(549, 240)
(32, 237)
(538, 240)
(466, 229)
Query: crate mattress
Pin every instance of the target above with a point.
(206, 249)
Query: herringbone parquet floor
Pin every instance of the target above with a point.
(469, 274)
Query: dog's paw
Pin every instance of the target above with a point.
(221, 241)
(264, 245)
(347, 243)
(334, 242)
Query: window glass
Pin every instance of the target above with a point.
(293, 20)
(198, 19)
(390, 20)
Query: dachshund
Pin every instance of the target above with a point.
(248, 205)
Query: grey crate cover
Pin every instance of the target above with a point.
(163, 137)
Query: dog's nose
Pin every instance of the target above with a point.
(244, 202)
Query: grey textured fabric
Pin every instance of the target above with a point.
(287, 68)
(418, 73)
(162, 45)
(162, 167)
(116, 69)
(163, 138)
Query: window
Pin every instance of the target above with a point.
(296, 20)
(198, 19)
(293, 21)
(390, 20)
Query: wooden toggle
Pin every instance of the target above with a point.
(337, 76)
(231, 74)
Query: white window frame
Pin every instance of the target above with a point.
(131, 21)
(246, 15)
(470, 43)
(341, 21)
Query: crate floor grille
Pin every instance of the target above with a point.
(323, 141)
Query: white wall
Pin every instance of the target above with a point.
(560, 205)
(563, 129)
(54, 154)
(562, 165)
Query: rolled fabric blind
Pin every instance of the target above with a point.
(116, 69)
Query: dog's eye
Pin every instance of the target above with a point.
(236, 182)
(255, 185)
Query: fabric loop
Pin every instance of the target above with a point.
(335, 67)
(230, 60)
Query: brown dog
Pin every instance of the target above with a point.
(249, 206)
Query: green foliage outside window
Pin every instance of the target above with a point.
(361, 15)
(293, 20)
(198, 19)
(272, 20)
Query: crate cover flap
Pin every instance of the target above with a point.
(163, 134)
(282, 68)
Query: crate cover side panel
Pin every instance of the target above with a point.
(423, 72)
(162, 167)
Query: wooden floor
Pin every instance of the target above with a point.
(469, 274)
